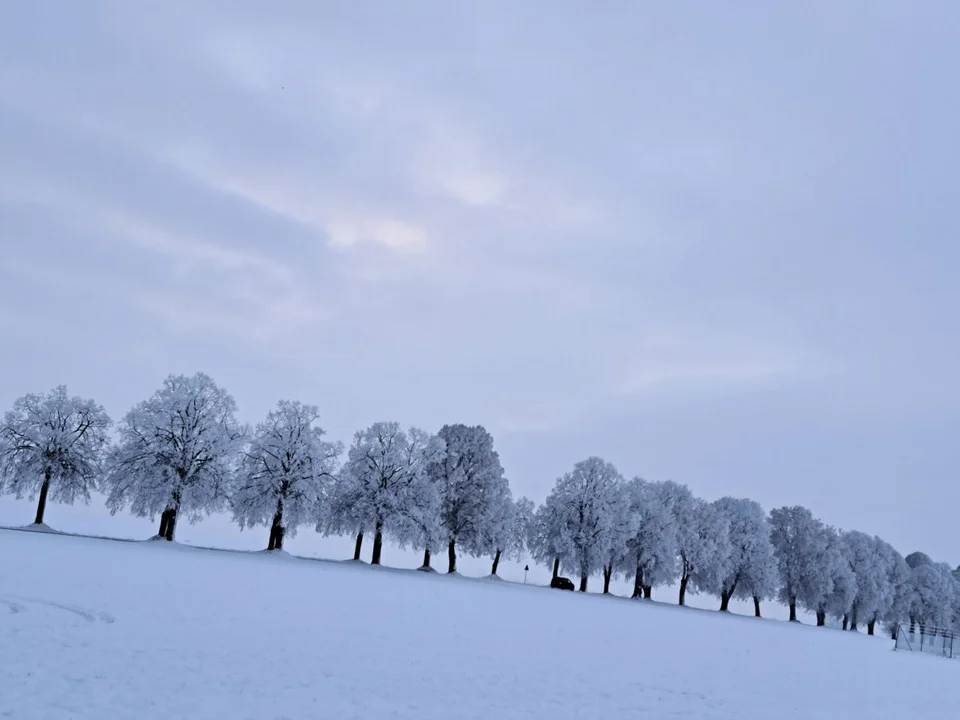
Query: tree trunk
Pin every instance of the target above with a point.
(426, 558)
(276, 538)
(276, 531)
(638, 583)
(583, 583)
(171, 524)
(756, 606)
(647, 592)
(377, 544)
(853, 620)
(358, 546)
(821, 618)
(683, 589)
(846, 622)
(496, 562)
(556, 568)
(724, 602)
(164, 520)
(793, 609)
(607, 574)
(870, 626)
(42, 502)
(452, 557)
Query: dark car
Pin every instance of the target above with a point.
(562, 583)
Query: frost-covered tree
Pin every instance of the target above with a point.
(284, 472)
(586, 498)
(832, 591)
(840, 602)
(916, 559)
(800, 544)
(52, 445)
(336, 516)
(654, 548)
(547, 540)
(509, 532)
(471, 484)
(621, 528)
(899, 589)
(383, 487)
(934, 596)
(864, 553)
(956, 605)
(703, 545)
(751, 571)
(422, 528)
(177, 453)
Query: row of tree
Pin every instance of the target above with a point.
(182, 453)
(595, 522)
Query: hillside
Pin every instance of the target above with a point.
(98, 629)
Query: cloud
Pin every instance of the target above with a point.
(394, 234)
(302, 201)
(221, 289)
(699, 360)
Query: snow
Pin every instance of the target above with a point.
(41, 528)
(93, 629)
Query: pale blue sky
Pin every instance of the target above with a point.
(715, 243)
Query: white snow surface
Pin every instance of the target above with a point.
(93, 629)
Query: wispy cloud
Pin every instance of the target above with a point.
(230, 291)
(394, 234)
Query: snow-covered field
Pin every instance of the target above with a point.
(95, 629)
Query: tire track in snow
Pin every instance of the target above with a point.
(13, 607)
(86, 614)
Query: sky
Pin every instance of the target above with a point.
(710, 244)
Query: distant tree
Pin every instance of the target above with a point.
(751, 571)
(510, 530)
(800, 544)
(703, 544)
(654, 547)
(934, 596)
(916, 559)
(383, 486)
(284, 472)
(471, 482)
(177, 453)
(586, 498)
(956, 604)
(53, 445)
